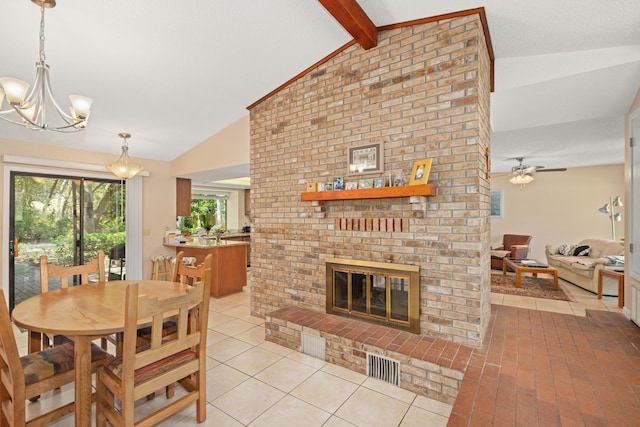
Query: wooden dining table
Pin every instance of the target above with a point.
(83, 314)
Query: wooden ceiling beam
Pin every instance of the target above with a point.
(350, 15)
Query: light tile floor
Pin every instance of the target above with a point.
(252, 382)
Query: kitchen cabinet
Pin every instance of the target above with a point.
(247, 202)
(183, 197)
(241, 238)
(228, 268)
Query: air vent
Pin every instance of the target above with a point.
(384, 369)
(313, 345)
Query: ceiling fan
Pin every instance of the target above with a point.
(523, 174)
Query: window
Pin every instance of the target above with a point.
(207, 210)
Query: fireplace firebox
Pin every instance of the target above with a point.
(378, 292)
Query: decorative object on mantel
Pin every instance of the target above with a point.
(124, 168)
(365, 159)
(218, 231)
(614, 202)
(312, 186)
(536, 287)
(33, 108)
(420, 172)
(338, 183)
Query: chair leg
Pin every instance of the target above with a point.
(101, 399)
(170, 391)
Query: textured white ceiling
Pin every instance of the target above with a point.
(174, 73)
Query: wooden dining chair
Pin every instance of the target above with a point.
(188, 275)
(139, 372)
(64, 274)
(29, 376)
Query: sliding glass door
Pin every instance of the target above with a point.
(67, 219)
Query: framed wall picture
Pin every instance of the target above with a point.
(496, 204)
(365, 159)
(420, 172)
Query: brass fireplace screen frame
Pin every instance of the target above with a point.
(389, 271)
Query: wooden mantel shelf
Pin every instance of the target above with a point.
(370, 193)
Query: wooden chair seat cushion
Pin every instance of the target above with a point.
(114, 365)
(53, 361)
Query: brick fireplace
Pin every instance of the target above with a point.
(424, 93)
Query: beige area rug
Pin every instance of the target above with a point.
(537, 287)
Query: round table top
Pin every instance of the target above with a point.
(94, 309)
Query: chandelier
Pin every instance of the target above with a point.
(33, 108)
(123, 168)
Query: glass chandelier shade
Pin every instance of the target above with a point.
(124, 168)
(34, 108)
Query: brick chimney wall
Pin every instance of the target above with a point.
(423, 92)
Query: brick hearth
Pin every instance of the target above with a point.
(429, 366)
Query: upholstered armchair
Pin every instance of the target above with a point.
(514, 246)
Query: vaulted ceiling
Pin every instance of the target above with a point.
(174, 73)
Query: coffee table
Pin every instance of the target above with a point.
(529, 266)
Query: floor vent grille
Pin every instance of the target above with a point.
(384, 369)
(313, 345)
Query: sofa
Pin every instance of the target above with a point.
(580, 263)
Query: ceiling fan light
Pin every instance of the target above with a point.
(14, 89)
(1, 97)
(521, 179)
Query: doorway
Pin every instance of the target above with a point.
(66, 218)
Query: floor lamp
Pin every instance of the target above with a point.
(614, 216)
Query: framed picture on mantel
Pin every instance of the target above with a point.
(365, 159)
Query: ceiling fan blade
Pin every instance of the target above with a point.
(552, 170)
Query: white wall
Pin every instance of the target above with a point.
(559, 207)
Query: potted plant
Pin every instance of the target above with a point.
(187, 226)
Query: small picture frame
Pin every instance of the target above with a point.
(351, 185)
(338, 183)
(365, 159)
(420, 172)
(328, 186)
(380, 182)
(365, 183)
(398, 180)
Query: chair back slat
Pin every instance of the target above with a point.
(187, 274)
(10, 369)
(63, 272)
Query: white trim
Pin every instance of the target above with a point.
(38, 166)
(59, 164)
(134, 227)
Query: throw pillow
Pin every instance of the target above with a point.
(566, 249)
(582, 251)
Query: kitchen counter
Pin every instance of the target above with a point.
(228, 266)
(206, 242)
